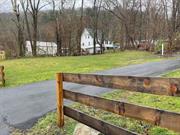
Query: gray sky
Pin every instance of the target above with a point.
(5, 5)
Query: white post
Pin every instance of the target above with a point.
(162, 49)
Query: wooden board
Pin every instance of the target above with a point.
(170, 120)
(103, 127)
(59, 100)
(159, 86)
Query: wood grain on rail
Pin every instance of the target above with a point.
(154, 116)
(153, 85)
(103, 127)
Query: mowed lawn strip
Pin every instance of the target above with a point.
(29, 70)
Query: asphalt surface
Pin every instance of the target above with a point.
(20, 107)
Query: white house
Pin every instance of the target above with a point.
(43, 48)
(87, 42)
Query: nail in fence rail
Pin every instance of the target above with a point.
(167, 86)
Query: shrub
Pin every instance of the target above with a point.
(158, 46)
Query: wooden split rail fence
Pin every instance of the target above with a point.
(2, 76)
(159, 86)
(2, 55)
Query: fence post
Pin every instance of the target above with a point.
(59, 97)
(2, 75)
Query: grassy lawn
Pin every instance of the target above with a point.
(29, 70)
(174, 74)
(47, 125)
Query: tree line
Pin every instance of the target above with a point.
(126, 22)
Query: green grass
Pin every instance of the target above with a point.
(161, 102)
(29, 70)
(47, 125)
(174, 74)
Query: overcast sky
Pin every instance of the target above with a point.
(5, 5)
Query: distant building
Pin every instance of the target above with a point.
(87, 42)
(43, 48)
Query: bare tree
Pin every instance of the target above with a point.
(119, 10)
(80, 30)
(31, 8)
(20, 27)
(175, 9)
(171, 11)
(97, 4)
(25, 7)
(71, 32)
(127, 22)
(34, 10)
(58, 24)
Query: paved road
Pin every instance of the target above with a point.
(20, 107)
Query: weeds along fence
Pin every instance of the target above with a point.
(158, 86)
(2, 76)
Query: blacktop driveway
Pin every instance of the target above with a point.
(21, 106)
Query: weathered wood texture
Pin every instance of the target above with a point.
(159, 86)
(2, 75)
(103, 127)
(157, 117)
(59, 96)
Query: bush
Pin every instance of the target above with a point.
(158, 46)
(176, 42)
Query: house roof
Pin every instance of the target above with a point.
(99, 34)
(91, 32)
(43, 44)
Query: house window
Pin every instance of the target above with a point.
(82, 44)
(88, 36)
(89, 43)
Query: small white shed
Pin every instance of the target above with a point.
(43, 48)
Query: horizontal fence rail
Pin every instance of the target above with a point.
(153, 85)
(159, 86)
(154, 116)
(103, 127)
